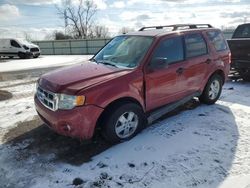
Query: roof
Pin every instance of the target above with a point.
(170, 29)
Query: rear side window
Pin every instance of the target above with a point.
(14, 44)
(170, 49)
(242, 31)
(217, 40)
(195, 45)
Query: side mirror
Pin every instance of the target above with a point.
(159, 62)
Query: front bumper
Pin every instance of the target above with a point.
(36, 54)
(79, 122)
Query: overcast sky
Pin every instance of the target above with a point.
(38, 18)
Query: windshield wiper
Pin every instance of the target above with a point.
(106, 63)
(93, 60)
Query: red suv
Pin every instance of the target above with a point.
(133, 80)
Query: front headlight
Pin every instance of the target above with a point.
(66, 102)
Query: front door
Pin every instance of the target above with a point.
(14, 47)
(163, 73)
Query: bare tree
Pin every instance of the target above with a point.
(78, 17)
(61, 36)
(99, 32)
(27, 36)
(125, 30)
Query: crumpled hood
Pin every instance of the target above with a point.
(28, 44)
(74, 78)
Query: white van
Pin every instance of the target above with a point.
(18, 48)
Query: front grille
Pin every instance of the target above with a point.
(34, 50)
(47, 98)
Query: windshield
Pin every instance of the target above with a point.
(124, 51)
(24, 42)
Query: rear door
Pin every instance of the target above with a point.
(162, 75)
(197, 63)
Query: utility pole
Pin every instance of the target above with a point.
(245, 19)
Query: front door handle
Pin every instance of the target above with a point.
(208, 61)
(180, 70)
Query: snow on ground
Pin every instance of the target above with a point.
(20, 107)
(201, 146)
(7, 65)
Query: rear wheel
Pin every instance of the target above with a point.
(124, 123)
(212, 90)
(11, 57)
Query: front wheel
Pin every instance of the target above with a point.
(212, 90)
(124, 123)
(22, 55)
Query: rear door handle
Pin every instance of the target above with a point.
(208, 61)
(180, 70)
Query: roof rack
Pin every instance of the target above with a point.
(178, 26)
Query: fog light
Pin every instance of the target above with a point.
(67, 128)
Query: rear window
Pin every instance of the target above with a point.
(242, 31)
(195, 45)
(217, 40)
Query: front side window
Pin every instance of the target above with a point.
(170, 50)
(217, 40)
(124, 51)
(195, 45)
(14, 44)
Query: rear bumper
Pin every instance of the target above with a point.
(79, 122)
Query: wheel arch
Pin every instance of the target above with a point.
(220, 73)
(111, 106)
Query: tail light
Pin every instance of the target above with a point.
(230, 57)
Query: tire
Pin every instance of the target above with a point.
(11, 57)
(123, 122)
(21, 55)
(212, 91)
